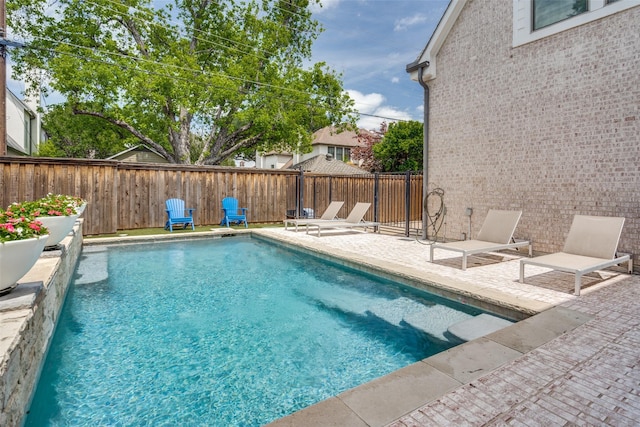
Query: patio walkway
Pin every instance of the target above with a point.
(587, 372)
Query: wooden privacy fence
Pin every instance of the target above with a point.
(128, 196)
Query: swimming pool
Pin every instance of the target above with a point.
(225, 332)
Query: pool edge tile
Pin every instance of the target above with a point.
(473, 359)
(540, 329)
(385, 399)
(329, 412)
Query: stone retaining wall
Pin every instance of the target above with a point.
(28, 316)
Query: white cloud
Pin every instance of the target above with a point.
(366, 103)
(325, 5)
(373, 111)
(395, 80)
(404, 23)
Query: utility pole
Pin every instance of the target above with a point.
(3, 79)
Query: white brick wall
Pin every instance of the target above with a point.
(551, 127)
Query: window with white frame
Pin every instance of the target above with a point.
(340, 153)
(548, 12)
(536, 19)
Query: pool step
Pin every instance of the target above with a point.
(433, 320)
(94, 266)
(478, 326)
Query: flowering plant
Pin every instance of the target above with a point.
(50, 205)
(15, 227)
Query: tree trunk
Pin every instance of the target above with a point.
(181, 140)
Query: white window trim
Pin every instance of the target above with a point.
(523, 23)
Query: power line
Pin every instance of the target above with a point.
(252, 52)
(178, 78)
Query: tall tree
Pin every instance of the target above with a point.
(197, 80)
(401, 148)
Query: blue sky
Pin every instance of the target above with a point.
(369, 42)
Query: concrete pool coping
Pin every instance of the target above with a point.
(393, 398)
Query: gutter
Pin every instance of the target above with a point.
(420, 67)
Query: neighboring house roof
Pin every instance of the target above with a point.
(139, 153)
(329, 136)
(328, 165)
(288, 164)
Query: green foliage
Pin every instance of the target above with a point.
(81, 136)
(196, 81)
(401, 148)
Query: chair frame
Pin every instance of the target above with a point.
(485, 242)
(353, 220)
(235, 216)
(177, 205)
(330, 214)
(580, 256)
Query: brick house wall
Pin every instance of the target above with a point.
(551, 127)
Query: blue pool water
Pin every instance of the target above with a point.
(226, 332)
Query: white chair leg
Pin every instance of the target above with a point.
(578, 284)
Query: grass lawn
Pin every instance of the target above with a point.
(156, 231)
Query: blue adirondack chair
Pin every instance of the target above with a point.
(232, 213)
(178, 214)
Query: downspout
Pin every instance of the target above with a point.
(425, 153)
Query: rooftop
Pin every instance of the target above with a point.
(324, 163)
(330, 136)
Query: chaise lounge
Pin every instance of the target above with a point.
(330, 214)
(354, 220)
(495, 234)
(591, 245)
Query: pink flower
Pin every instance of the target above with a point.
(9, 227)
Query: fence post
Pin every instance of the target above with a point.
(407, 203)
(376, 196)
(300, 201)
(315, 196)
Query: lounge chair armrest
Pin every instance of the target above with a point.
(191, 210)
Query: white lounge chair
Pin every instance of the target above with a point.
(355, 219)
(495, 234)
(330, 214)
(591, 245)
